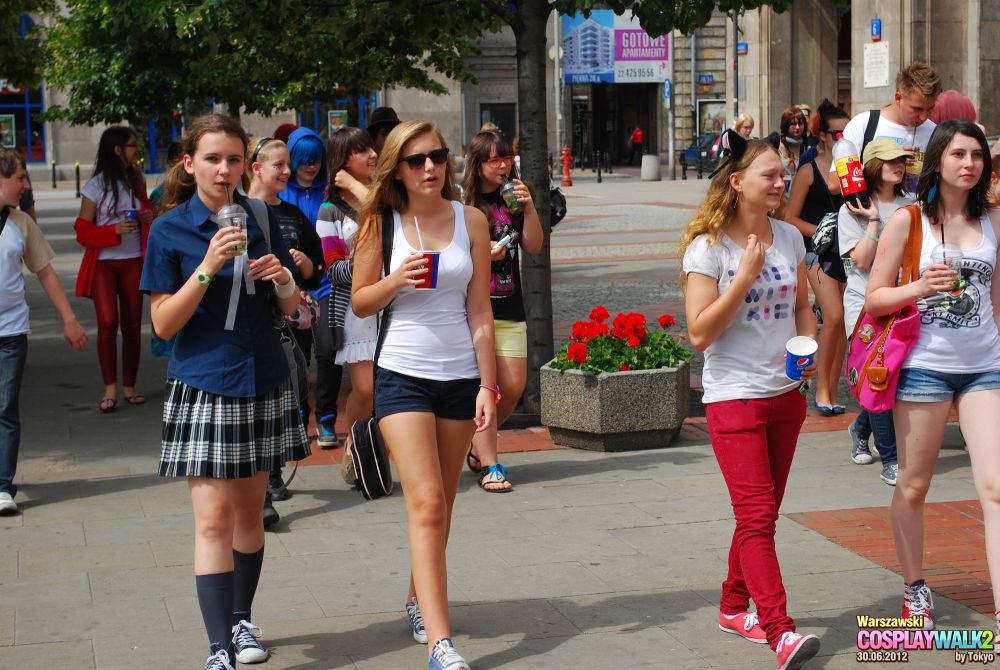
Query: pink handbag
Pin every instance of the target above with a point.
(879, 345)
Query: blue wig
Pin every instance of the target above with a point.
(308, 149)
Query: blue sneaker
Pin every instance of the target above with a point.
(890, 473)
(326, 436)
(416, 621)
(860, 451)
(444, 657)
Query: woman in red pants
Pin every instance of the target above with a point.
(113, 226)
(746, 295)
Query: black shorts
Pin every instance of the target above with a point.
(395, 393)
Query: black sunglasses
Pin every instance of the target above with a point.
(417, 161)
(260, 145)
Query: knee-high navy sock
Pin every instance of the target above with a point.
(215, 596)
(246, 575)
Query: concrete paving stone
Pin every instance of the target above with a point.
(270, 606)
(116, 531)
(630, 611)
(691, 509)
(15, 521)
(590, 517)
(8, 565)
(510, 620)
(331, 568)
(43, 622)
(33, 537)
(174, 551)
(706, 484)
(90, 508)
(502, 527)
(363, 539)
(167, 650)
(648, 647)
(583, 546)
(679, 567)
(604, 492)
(169, 499)
(6, 627)
(659, 540)
(48, 588)
(142, 584)
(480, 654)
(363, 597)
(74, 560)
(360, 635)
(547, 580)
(76, 654)
(799, 558)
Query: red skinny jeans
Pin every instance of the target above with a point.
(118, 302)
(754, 442)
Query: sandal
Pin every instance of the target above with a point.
(108, 405)
(135, 399)
(494, 475)
(476, 468)
(825, 410)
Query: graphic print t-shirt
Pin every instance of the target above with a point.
(748, 359)
(505, 274)
(298, 233)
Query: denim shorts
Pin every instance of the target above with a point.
(923, 385)
(811, 258)
(454, 399)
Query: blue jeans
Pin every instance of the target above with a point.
(880, 425)
(13, 353)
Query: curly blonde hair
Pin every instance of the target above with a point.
(719, 206)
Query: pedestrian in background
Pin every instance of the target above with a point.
(744, 124)
(381, 123)
(230, 415)
(22, 247)
(436, 380)
(635, 141)
(490, 164)
(175, 152)
(754, 411)
(113, 226)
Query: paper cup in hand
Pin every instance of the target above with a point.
(430, 279)
(130, 214)
(800, 352)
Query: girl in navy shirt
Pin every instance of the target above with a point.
(229, 414)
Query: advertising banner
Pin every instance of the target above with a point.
(614, 49)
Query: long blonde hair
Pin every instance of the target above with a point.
(718, 208)
(388, 192)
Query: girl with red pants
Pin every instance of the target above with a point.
(113, 226)
(745, 296)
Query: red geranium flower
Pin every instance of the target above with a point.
(599, 313)
(634, 341)
(577, 353)
(625, 367)
(667, 320)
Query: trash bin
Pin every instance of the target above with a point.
(650, 167)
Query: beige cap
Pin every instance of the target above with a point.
(885, 149)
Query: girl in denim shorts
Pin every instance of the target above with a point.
(957, 357)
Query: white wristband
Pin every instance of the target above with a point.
(284, 290)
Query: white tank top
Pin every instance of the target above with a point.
(429, 334)
(960, 335)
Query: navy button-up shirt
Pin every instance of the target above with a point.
(244, 362)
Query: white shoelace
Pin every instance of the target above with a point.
(750, 621)
(447, 654)
(789, 638)
(923, 602)
(245, 634)
(416, 618)
(219, 661)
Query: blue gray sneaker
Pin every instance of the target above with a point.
(860, 451)
(444, 657)
(416, 621)
(889, 474)
(326, 436)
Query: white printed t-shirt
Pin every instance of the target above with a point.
(131, 245)
(887, 130)
(748, 358)
(22, 245)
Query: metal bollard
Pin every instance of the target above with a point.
(78, 193)
(598, 161)
(593, 160)
(53, 174)
(701, 168)
(607, 162)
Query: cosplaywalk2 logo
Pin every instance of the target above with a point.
(894, 639)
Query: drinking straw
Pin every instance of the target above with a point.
(419, 239)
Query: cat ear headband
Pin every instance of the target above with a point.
(732, 146)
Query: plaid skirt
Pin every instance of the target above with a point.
(210, 435)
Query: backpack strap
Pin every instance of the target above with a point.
(3, 217)
(914, 242)
(388, 235)
(260, 214)
(873, 116)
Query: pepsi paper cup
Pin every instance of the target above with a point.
(130, 214)
(430, 278)
(799, 354)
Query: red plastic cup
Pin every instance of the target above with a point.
(429, 279)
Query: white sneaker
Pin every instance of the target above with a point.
(7, 504)
(248, 648)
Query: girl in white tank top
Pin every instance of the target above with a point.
(957, 358)
(436, 372)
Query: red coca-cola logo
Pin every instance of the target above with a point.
(858, 172)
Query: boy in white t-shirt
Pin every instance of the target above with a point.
(904, 120)
(21, 245)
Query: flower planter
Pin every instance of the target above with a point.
(615, 411)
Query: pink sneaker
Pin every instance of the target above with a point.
(794, 650)
(743, 624)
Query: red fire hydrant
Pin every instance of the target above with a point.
(567, 160)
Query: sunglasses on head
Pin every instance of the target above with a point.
(497, 161)
(417, 161)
